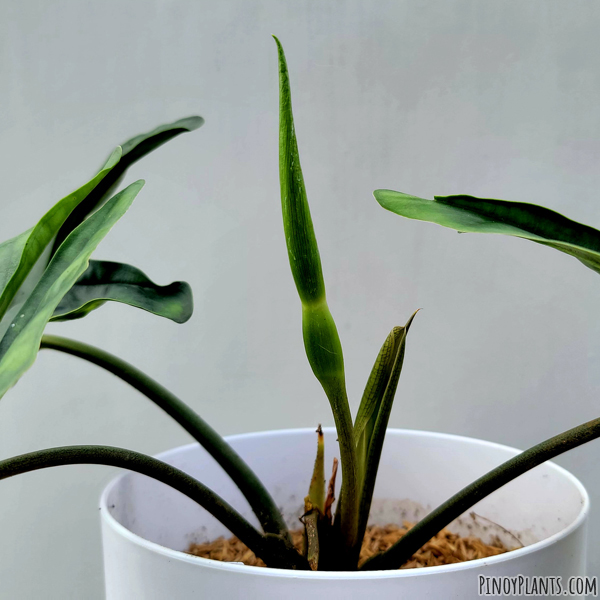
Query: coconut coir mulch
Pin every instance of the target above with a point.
(444, 549)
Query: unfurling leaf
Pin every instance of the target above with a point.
(110, 281)
(467, 214)
(321, 339)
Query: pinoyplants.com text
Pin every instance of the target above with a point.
(522, 585)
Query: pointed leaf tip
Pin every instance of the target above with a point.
(316, 491)
(113, 159)
(410, 320)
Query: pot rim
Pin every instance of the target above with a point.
(421, 572)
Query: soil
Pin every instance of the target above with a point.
(444, 549)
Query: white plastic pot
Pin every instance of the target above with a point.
(147, 526)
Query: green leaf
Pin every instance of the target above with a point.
(20, 344)
(133, 150)
(19, 255)
(321, 339)
(104, 281)
(11, 253)
(467, 214)
(374, 413)
(303, 252)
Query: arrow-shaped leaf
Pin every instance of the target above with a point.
(518, 219)
(104, 281)
(133, 150)
(20, 344)
(19, 254)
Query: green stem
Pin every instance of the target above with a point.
(444, 514)
(272, 554)
(348, 509)
(246, 480)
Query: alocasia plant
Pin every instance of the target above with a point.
(67, 290)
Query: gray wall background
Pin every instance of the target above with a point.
(496, 99)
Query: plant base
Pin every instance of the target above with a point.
(446, 548)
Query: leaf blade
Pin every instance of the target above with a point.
(133, 149)
(11, 252)
(110, 281)
(16, 266)
(377, 382)
(469, 214)
(20, 344)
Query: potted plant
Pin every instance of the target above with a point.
(413, 464)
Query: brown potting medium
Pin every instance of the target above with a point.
(444, 549)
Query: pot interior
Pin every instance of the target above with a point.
(418, 471)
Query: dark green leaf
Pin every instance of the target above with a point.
(20, 344)
(374, 414)
(133, 150)
(19, 255)
(518, 219)
(103, 281)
